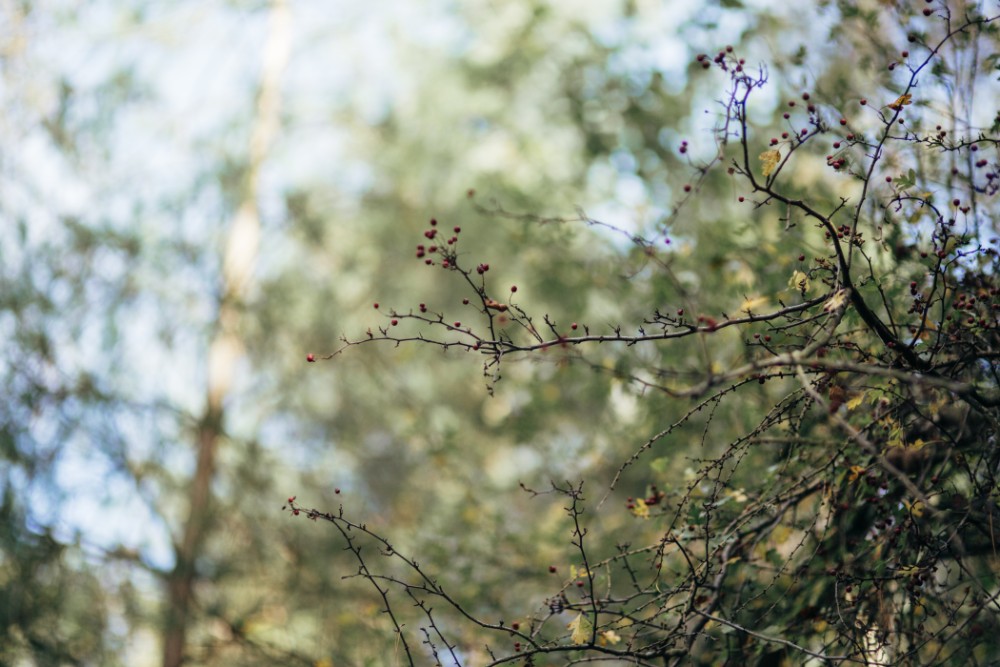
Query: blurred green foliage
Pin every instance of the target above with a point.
(127, 130)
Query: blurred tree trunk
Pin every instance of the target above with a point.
(226, 348)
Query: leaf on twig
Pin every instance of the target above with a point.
(916, 507)
(901, 101)
(581, 628)
(799, 281)
(855, 402)
(640, 509)
(608, 637)
(770, 160)
(754, 303)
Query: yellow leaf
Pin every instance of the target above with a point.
(901, 102)
(799, 281)
(640, 509)
(754, 303)
(581, 628)
(609, 637)
(916, 508)
(770, 160)
(855, 402)
(855, 473)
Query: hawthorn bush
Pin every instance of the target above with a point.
(839, 503)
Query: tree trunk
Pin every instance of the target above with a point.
(226, 347)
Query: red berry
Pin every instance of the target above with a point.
(513, 288)
(376, 305)
(863, 101)
(741, 199)
(310, 357)
(394, 322)
(843, 121)
(552, 569)
(458, 324)
(573, 326)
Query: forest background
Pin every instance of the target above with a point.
(195, 196)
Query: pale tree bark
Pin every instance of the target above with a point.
(226, 348)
